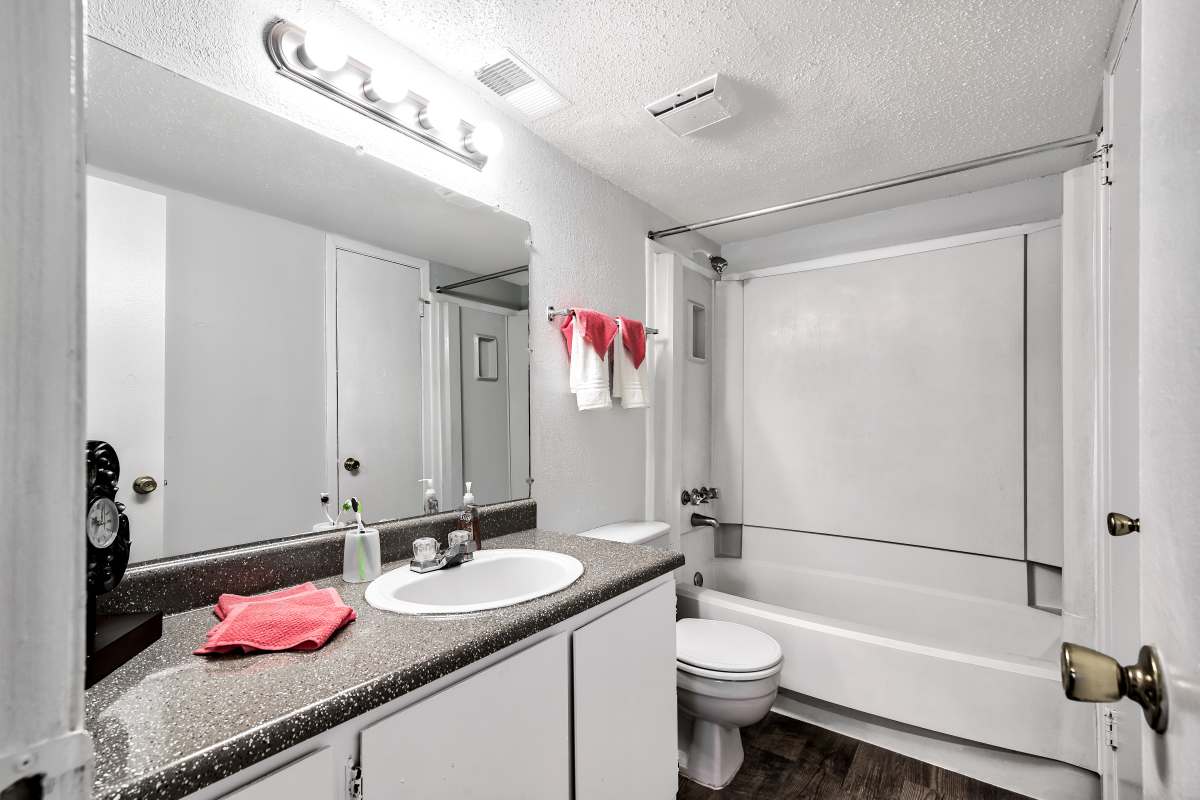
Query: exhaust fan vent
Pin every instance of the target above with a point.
(520, 85)
(705, 102)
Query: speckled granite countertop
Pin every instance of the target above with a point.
(169, 723)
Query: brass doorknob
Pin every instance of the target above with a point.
(1122, 524)
(1092, 677)
(144, 484)
(351, 464)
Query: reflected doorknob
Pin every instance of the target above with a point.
(1122, 524)
(1092, 677)
(144, 484)
(351, 464)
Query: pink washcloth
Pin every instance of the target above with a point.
(228, 601)
(301, 621)
(599, 329)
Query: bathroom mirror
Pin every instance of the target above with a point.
(265, 322)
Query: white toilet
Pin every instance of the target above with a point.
(727, 676)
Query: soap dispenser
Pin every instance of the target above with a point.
(431, 498)
(468, 520)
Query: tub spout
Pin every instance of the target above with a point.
(701, 520)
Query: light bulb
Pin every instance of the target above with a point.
(323, 49)
(385, 86)
(486, 139)
(441, 116)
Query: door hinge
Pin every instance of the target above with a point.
(421, 303)
(1103, 155)
(354, 787)
(1110, 728)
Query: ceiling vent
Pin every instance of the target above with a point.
(519, 84)
(704, 103)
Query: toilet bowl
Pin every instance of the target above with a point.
(727, 676)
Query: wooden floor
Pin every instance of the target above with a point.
(786, 758)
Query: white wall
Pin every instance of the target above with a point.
(1031, 200)
(885, 400)
(588, 235)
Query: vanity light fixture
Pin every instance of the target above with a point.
(322, 49)
(319, 60)
(441, 117)
(385, 86)
(485, 139)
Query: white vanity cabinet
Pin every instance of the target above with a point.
(502, 734)
(624, 701)
(582, 711)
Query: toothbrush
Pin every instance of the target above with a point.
(353, 505)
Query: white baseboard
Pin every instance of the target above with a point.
(1040, 778)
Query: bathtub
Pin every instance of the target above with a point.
(971, 667)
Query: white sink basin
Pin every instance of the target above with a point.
(494, 579)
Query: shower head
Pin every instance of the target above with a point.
(717, 263)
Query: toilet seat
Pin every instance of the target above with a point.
(713, 674)
(725, 651)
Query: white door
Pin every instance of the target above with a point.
(126, 363)
(1169, 363)
(483, 348)
(519, 474)
(379, 384)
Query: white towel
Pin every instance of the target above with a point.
(630, 383)
(589, 373)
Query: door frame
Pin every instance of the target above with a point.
(446, 420)
(1127, 724)
(334, 243)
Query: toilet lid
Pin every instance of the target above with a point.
(724, 646)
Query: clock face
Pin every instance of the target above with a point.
(103, 522)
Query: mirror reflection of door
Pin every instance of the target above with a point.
(483, 348)
(379, 384)
(126, 342)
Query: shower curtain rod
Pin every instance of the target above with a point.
(1061, 144)
(504, 273)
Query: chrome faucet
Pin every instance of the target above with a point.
(427, 558)
(703, 520)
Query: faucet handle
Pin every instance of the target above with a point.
(425, 550)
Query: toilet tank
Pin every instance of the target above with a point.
(649, 533)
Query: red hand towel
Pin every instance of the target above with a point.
(599, 330)
(228, 601)
(633, 336)
(293, 623)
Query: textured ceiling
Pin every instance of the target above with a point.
(833, 93)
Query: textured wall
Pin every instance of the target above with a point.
(588, 235)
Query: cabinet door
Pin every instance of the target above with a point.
(624, 679)
(309, 778)
(502, 734)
